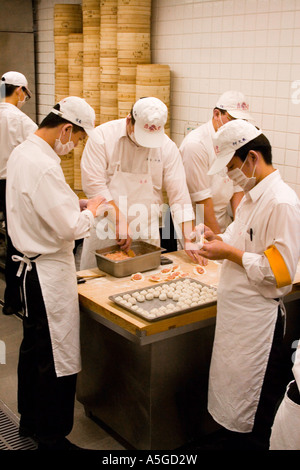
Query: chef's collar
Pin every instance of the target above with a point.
(44, 146)
(256, 192)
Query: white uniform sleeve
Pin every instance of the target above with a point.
(93, 168)
(284, 227)
(174, 181)
(27, 127)
(196, 163)
(61, 212)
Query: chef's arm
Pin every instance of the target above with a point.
(122, 229)
(94, 203)
(190, 248)
(217, 250)
(235, 200)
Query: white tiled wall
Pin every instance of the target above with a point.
(248, 45)
(213, 46)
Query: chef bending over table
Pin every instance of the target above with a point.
(128, 161)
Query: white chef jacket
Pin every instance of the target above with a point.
(102, 154)
(15, 126)
(198, 155)
(268, 216)
(44, 219)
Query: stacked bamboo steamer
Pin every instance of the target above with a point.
(91, 51)
(76, 89)
(108, 60)
(133, 43)
(154, 80)
(67, 20)
(75, 60)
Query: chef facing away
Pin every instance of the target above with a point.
(15, 127)
(44, 218)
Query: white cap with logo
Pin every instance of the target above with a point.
(235, 103)
(16, 79)
(229, 138)
(150, 116)
(77, 111)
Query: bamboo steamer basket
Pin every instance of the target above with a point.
(127, 74)
(109, 7)
(109, 66)
(124, 107)
(75, 65)
(144, 3)
(153, 74)
(154, 80)
(67, 19)
(134, 16)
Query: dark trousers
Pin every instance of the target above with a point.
(273, 385)
(45, 401)
(12, 296)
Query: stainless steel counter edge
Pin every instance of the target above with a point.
(140, 337)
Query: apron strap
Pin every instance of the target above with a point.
(24, 260)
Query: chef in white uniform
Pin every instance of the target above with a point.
(286, 428)
(218, 193)
(260, 249)
(15, 127)
(128, 161)
(44, 218)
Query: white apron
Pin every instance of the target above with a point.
(133, 194)
(57, 276)
(244, 332)
(286, 427)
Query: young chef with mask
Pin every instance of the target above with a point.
(129, 161)
(260, 250)
(216, 192)
(44, 219)
(15, 127)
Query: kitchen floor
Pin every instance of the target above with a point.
(86, 433)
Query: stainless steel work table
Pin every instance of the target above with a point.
(146, 381)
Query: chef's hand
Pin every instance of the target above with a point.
(94, 203)
(123, 237)
(83, 204)
(196, 257)
(218, 250)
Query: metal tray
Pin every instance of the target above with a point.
(148, 305)
(147, 258)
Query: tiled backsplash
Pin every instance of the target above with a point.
(213, 46)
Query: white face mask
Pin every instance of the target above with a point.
(239, 177)
(63, 149)
(20, 103)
